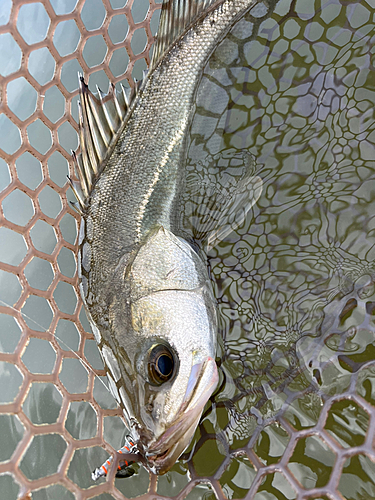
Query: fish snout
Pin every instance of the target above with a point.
(201, 384)
(166, 449)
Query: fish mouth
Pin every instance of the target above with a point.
(162, 454)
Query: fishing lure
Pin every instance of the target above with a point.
(123, 469)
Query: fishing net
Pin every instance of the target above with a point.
(291, 86)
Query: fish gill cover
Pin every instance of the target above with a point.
(291, 90)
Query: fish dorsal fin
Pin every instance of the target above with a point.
(101, 120)
(176, 16)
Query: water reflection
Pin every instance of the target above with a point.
(288, 95)
(295, 282)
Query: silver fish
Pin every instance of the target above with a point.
(146, 288)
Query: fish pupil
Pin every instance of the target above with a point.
(161, 364)
(165, 365)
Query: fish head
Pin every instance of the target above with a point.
(176, 371)
(168, 344)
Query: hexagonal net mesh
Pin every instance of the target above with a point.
(293, 416)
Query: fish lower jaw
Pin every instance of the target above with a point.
(163, 451)
(162, 454)
(155, 463)
(160, 461)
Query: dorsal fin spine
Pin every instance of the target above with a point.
(107, 113)
(96, 130)
(90, 158)
(76, 187)
(101, 120)
(97, 141)
(85, 153)
(86, 175)
(82, 175)
(98, 110)
(125, 95)
(89, 155)
(117, 104)
(176, 17)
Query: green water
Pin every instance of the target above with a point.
(295, 283)
(294, 86)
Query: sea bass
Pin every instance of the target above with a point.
(144, 282)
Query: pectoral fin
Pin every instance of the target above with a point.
(220, 191)
(235, 210)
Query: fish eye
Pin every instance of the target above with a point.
(160, 364)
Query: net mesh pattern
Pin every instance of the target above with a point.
(293, 416)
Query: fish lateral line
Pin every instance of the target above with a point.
(137, 190)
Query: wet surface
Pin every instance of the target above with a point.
(293, 413)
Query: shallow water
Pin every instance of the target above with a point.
(293, 414)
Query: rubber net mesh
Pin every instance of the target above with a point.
(293, 85)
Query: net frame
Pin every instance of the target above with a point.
(15, 358)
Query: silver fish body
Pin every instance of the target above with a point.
(147, 291)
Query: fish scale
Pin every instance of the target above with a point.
(138, 187)
(147, 291)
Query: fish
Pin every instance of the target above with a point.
(143, 274)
